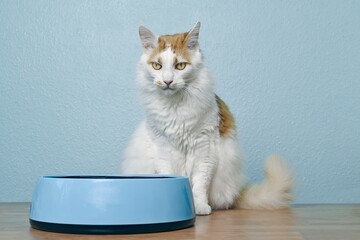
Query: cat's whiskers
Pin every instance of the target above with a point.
(159, 84)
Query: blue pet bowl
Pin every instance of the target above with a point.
(112, 204)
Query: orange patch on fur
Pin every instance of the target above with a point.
(227, 122)
(177, 42)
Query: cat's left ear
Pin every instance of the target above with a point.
(193, 37)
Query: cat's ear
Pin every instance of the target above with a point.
(193, 37)
(148, 39)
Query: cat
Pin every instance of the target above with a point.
(190, 131)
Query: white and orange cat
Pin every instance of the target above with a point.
(190, 131)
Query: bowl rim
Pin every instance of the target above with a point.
(87, 177)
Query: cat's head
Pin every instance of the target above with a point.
(171, 62)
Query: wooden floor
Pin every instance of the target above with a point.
(326, 222)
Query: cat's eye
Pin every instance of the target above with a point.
(156, 66)
(180, 66)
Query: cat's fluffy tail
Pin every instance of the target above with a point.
(274, 191)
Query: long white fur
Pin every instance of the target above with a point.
(181, 136)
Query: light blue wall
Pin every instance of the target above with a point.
(289, 70)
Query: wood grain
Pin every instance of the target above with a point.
(313, 222)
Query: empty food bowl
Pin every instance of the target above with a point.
(112, 204)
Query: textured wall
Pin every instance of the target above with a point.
(289, 71)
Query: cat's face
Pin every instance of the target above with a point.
(171, 61)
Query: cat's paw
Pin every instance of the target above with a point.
(202, 208)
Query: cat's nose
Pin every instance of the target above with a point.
(168, 82)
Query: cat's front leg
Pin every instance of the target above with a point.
(204, 163)
(167, 158)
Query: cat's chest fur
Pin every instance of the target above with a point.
(182, 123)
